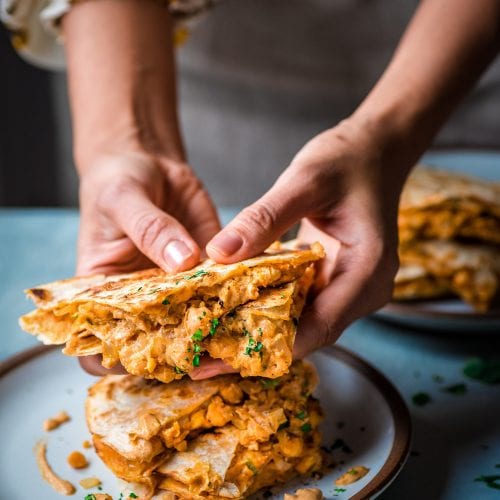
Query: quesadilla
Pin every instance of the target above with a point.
(158, 325)
(435, 268)
(438, 204)
(220, 438)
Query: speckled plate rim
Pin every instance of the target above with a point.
(419, 309)
(400, 415)
(398, 409)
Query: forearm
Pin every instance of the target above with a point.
(443, 52)
(121, 76)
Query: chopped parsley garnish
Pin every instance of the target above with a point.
(301, 415)
(133, 495)
(179, 371)
(353, 472)
(483, 370)
(139, 289)
(339, 443)
(455, 389)
(90, 496)
(282, 295)
(196, 360)
(165, 302)
(246, 333)
(306, 427)
(284, 425)
(251, 466)
(197, 335)
(213, 326)
(490, 481)
(196, 348)
(421, 399)
(99, 488)
(260, 331)
(271, 383)
(336, 491)
(197, 274)
(253, 346)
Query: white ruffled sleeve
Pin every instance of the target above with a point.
(35, 26)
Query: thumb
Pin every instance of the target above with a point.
(158, 235)
(258, 225)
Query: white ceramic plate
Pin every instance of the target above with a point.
(450, 315)
(361, 407)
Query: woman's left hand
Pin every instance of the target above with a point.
(345, 193)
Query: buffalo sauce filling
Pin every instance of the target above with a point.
(276, 422)
(138, 340)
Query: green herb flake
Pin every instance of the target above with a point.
(99, 488)
(421, 399)
(455, 389)
(196, 360)
(284, 425)
(301, 415)
(260, 331)
(490, 481)
(197, 335)
(197, 274)
(165, 302)
(306, 427)
(90, 496)
(133, 495)
(337, 491)
(251, 466)
(196, 348)
(270, 383)
(179, 371)
(486, 371)
(139, 289)
(353, 472)
(213, 326)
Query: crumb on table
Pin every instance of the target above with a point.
(54, 422)
(90, 482)
(305, 494)
(77, 460)
(87, 444)
(352, 475)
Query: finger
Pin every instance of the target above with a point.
(158, 235)
(258, 225)
(92, 365)
(201, 218)
(358, 288)
(210, 368)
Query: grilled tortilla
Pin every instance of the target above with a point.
(435, 268)
(224, 437)
(437, 204)
(158, 325)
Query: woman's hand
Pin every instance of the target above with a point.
(343, 188)
(138, 211)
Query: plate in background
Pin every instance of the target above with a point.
(450, 315)
(361, 406)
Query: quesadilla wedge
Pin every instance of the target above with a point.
(438, 204)
(225, 437)
(158, 325)
(435, 268)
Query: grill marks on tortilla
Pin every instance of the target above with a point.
(127, 318)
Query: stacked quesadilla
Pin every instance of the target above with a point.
(159, 326)
(449, 229)
(219, 438)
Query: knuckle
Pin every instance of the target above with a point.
(259, 218)
(147, 229)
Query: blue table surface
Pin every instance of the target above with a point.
(456, 438)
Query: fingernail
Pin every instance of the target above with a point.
(177, 253)
(227, 243)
